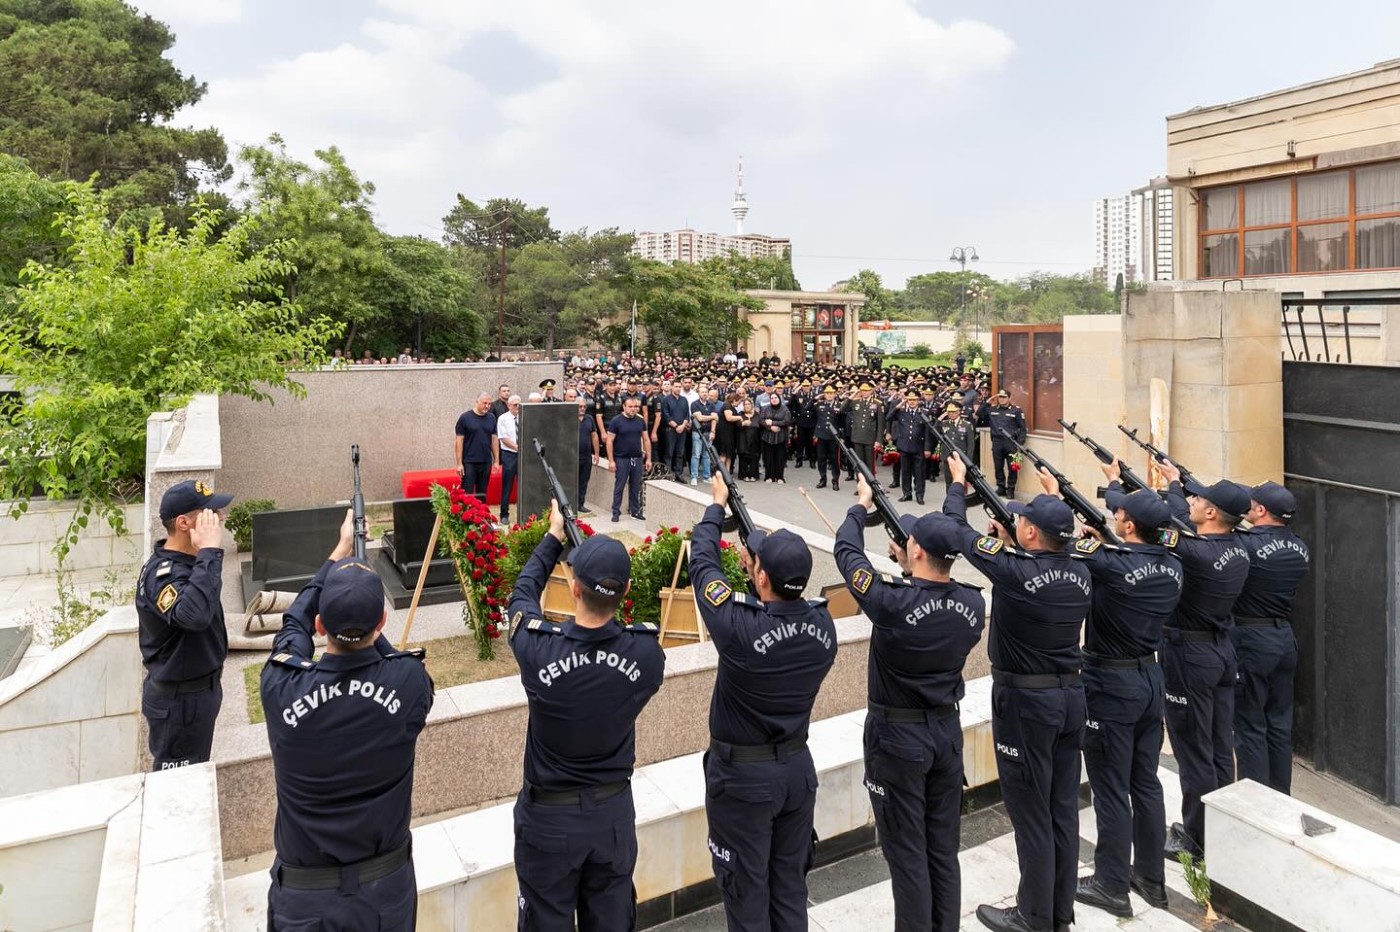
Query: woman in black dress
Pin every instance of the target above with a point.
(749, 442)
(727, 430)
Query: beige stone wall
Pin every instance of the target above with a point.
(773, 325)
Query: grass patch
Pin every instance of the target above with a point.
(450, 661)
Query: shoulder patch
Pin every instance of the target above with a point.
(515, 625)
(991, 546)
(291, 660)
(1169, 538)
(861, 580)
(1087, 545)
(716, 591)
(167, 598)
(643, 627)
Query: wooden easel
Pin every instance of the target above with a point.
(423, 578)
(669, 596)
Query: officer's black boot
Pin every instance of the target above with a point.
(906, 498)
(1010, 920)
(835, 483)
(1091, 892)
(821, 483)
(1177, 843)
(1153, 891)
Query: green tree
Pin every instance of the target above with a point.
(690, 309)
(136, 321)
(27, 232)
(878, 300)
(85, 88)
(481, 227)
(561, 292)
(766, 272)
(323, 216)
(938, 295)
(426, 299)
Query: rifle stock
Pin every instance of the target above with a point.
(1130, 480)
(884, 512)
(991, 502)
(1088, 512)
(357, 506)
(738, 508)
(556, 489)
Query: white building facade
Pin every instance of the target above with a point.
(1117, 239)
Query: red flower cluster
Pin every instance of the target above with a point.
(480, 549)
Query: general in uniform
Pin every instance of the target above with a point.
(924, 625)
(1266, 651)
(1040, 597)
(831, 415)
(774, 651)
(586, 681)
(866, 421)
(1198, 657)
(343, 732)
(182, 635)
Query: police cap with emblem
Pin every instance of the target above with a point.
(1144, 507)
(602, 564)
(352, 600)
(785, 557)
(190, 495)
(1230, 497)
(547, 384)
(1047, 513)
(938, 534)
(952, 407)
(1003, 393)
(1276, 499)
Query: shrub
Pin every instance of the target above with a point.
(653, 564)
(240, 520)
(920, 351)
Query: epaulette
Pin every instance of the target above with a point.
(163, 569)
(967, 585)
(418, 653)
(543, 626)
(818, 602)
(743, 598)
(644, 627)
(293, 661)
(890, 579)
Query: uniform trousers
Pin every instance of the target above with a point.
(1001, 466)
(761, 840)
(826, 458)
(866, 453)
(181, 724)
(802, 446)
(1122, 747)
(585, 472)
(914, 775)
(1267, 658)
(1200, 692)
(509, 461)
(576, 859)
(911, 470)
(1038, 735)
(629, 474)
(389, 904)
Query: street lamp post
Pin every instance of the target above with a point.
(962, 255)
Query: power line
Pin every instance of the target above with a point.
(935, 261)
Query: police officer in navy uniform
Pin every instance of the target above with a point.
(1001, 415)
(924, 624)
(586, 681)
(775, 648)
(1198, 658)
(1040, 597)
(343, 730)
(910, 436)
(183, 639)
(831, 418)
(1136, 587)
(1263, 638)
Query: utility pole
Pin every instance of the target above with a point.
(961, 255)
(501, 291)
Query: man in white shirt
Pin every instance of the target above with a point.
(508, 433)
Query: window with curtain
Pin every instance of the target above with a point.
(1267, 203)
(1049, 373)
(1029, 364)
(1267, 252)
(1378, 189)
(1220, 256)
(1322, 197)
(1322, 247)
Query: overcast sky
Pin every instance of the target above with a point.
(875, 133)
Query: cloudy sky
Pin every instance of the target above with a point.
(875, 133)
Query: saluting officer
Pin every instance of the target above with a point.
(959, 430)
(547, 390)
(866, 420)
(1040, 597)
(909, 434)
(774, 651)
(343, 730)
(1136, 588)
(1263, 639)
(1198, 658)
(586, 681)
(831, 416)
(923, 628)
(1002, 415)
(183, 639)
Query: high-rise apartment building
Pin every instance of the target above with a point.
(693, 246)
(1117, 239)
(1157, 225)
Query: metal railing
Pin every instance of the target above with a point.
(1302, 316)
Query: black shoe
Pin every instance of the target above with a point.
(616, 518)
(1178, 843)
(1153, 891)
(919, 500)
(1091, 892)
(1004, 920)
(822, 483)
(639, 516)
(1001, 492)
(850, 477)
(906, 498)
(836, 486)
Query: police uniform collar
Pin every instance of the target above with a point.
(360, 658)
(164, 553)
(783, 607)
(571, 629)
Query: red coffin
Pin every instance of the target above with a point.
(418, 484)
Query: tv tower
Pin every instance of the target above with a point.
(740, 207)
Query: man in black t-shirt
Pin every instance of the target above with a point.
(629, 456)
(478, 450)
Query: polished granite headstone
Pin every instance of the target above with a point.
(556, 426)
(289, 547)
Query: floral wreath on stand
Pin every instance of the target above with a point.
(654, 564)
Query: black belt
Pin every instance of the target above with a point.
(1191, 634)
(913, 716)
(1253, 621)
(574, 797)
(1035, 680)
(180, 687)
(1120, 663)
(753, 753)
(331, 878)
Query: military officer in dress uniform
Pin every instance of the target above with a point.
(1198, 658)
(775, 649)
(924, 626)
(831, 416)
(586, 681)
(804, 421)
(1136, 588)
(910, 436)
(959, 430)
(1263, 638)
(343, 730)
(866, 421)
(1002, 415)
(547, 390)
(183, 639)
(1040, 597)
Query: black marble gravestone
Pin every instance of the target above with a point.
(556, 426)
(406, 544)
(289, 547)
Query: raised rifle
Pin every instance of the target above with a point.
(884, 512)
(739, 518)
(991, 502)
(1088, 512)
(1157, 454)
(556, 489)
(1130, 480)
(357, 506)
